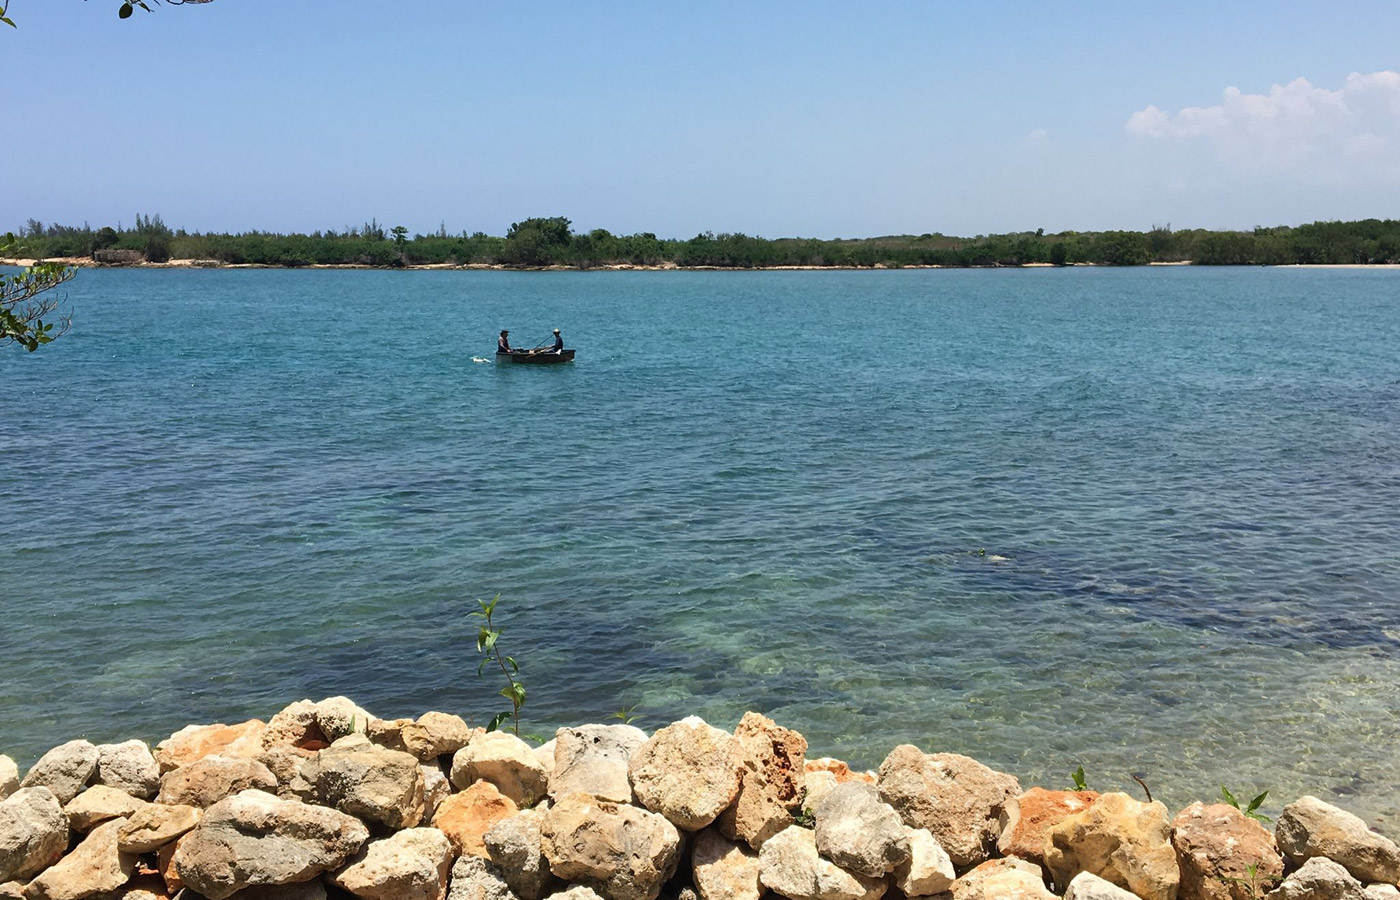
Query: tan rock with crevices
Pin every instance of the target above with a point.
(504, 760)
(436, 734)
(209, 780)
(1309, 827)
(155, 825)
(687, 772)
(408, 865)
(1122, 841)
(620, 851)
(959, 800)
(772, 781)
(99, 804)
(1215, 848)
(789, 864)
(724, 869)
(1002, 879)
(93, 867)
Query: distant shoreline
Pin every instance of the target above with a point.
(83, 262)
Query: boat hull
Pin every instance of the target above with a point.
(536, 358)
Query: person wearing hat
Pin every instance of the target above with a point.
(558, 342)
(503, 342)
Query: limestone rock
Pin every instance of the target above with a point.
(928, 870)
(473, 878)
(1028, 818)
(140, 887)
(303, 890)
(12, 890)
(1002, 879)
(514, 845)
(623, 852)
(211, 779)
(772, 781)
(369, 781)
(33, 833)
(858, 832)
(99, 804)
(388, 733)
(840, 770)
(592, 759)
(339, 716)
(1122, 841)
(436, 788)
(1215, 846)
(1319, 879)
(295, 726)
(65, 770)
(253, 838)
(789, 864)
(165, 866)
(1309, 827)
(818, 785)
(466, 817)
(155, 825)
(194, 742)
(288, 766)
(724, 869)
(687, 772)
(128, 767)
(504, 760)
(436, 734)
(956, 798)
(95, 866)
(579, 892)
(545, 754)
(1381, 892)
(1088, 886)
(409, 865)
(9, 777)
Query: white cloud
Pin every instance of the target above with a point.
(1037, 136)
(1298, 128)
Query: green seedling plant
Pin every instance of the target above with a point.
(487, 636)
(1078, 777)
(1256, 884)
(627, 715)
(1252, 809)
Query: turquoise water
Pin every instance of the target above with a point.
(1139, 520)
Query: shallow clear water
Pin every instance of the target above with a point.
(227, 490)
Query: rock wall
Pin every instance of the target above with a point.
(325, 800)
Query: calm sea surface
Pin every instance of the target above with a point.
(1146, 521)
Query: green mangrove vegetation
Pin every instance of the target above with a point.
(538, 242)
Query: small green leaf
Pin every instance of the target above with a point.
(9, 22)
(1229, 797)
(1255, 803)
(496, 721)
(125, 11)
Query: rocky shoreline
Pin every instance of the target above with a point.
(325, 800)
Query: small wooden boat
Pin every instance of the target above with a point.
(535, 357)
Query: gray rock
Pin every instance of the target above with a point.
(209, 780)
(858, 832)
(1088, 886)
(687, 772)
(956, 798)
(436, 789)
(369, 781)
(1319, 879)
(130, 767)
(288, 766)
(1308, 828)
(33, 833)
(515, 846)
(9, 777)
(592, 759)
(473, 878)
(622, 852)
(789, 864)
(94, 867)
(408, 865)
(304, 890)
(254, 838)
(65, 770)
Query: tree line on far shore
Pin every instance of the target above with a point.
(553, 242)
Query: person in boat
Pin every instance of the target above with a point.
(503, 343)
(558, 343)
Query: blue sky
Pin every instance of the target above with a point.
(773, 118)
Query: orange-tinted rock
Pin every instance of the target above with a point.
(194, 742)
(1027, 819)
(466, 817)
(1215, 846)
(772, 781)
(1121, 840)
(839, 769)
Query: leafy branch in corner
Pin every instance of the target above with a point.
(1251, 809)
(487, 636)
(22, 310)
